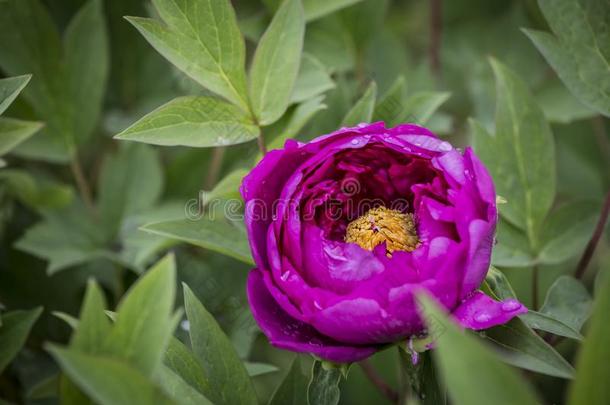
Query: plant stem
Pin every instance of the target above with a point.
(82, 184)
(535, 287)
(214, 169)
(261, 144)
(597, 234)
(377, 381)
(436, 27)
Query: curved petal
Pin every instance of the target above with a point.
(480, 311)
(288, 333)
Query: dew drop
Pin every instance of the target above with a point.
(355, 141)
(482, 317)
(285, 276)
(317, 305)
(185, 325)
(362, 125)
(510, 306)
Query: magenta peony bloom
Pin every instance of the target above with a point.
(346, 228)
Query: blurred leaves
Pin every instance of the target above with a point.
(69, 74)
(293, 388)
(276, 63)
(362, 111)
(14, 329)
(202, 39)
(580, 54)
(524, 173)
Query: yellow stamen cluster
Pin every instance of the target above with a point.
(381, 225)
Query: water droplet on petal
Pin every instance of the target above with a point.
(362, 125)
(285, 276)
(355, 141)
(444, 146)
(317, 305)
(510, 305)
(482, 317)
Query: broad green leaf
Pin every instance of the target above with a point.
(362, 111)
(229, 380)
(560, 106)
(293, 389)
(323, 388)
(182, 362)
(331, 43)
(512, 248)
(227, 187)
(315, 9)
(10, 88)
(193, 121)
(592, 367)
(69, 76)
(36, 191)
(256, 369)
(201, 38)
(107, 380)
(178, 389)
(520, 346)
(540, 321)
(93, 324)
(217, 234)
(419, 107)
(14, 330)
(580, 49)
(390, 107)
(313, 79)
(524, 173)
(486, 376)
(144, 322)
(14, 131)
(567, 231)
(131, 181)
(81, 240)
(276, 63)
(569, 301)
(291, 124)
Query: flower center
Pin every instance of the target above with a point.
(381, 225)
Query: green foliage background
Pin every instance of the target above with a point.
(124, 121)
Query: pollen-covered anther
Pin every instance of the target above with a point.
(380, 225)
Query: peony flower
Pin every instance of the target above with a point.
(345, 229)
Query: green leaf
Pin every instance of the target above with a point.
(193, 121)
(182, 362)
(178, 389)
(580, 49)
(256, 369)
(315, 9)
(323, 388)
(539, 321)
(518, 345)
(560, 106)
(330, 42)
(14, 131)
(512, 248)
(291, 124)
(390, 107)
(486, 376)
(592, 369)
(108, 381)
(362, 111)
(144, 322)
(227, 187)
(313, 79)
(69, 77)
(14, 330)
(567, 231)
(229, 380)
(36, 191)
(524, 173)
(276, 63)
(201, 38)
(569, 301)
(93, 325)
(81, 240)
(10, 88)
(216, 234)
(419, 107)
(131, 181)
(293, 389)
